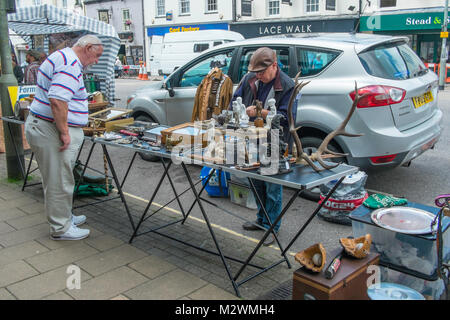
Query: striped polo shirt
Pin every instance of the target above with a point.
(60, 77)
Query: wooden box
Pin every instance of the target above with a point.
(349, 282)
(188, 131)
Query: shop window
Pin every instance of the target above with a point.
(330, 5)
(312, 5)
(211, 5)
(273, 7)
(126, 20)
(388, 3)
(160, 8)
(185, 7)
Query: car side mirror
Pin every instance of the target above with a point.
(169, 88)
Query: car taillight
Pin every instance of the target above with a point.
(378, 96)
(383, 159)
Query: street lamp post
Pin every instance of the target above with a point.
(444, 53)
(7, 79)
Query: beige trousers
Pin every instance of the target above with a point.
(56, 169)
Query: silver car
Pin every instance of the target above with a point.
(399, 117)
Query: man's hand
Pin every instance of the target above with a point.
(251, 111)
(65, 139)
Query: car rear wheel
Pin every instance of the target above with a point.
(145, 156)
(310, 145)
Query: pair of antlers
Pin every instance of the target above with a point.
(322, 151)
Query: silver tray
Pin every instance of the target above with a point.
(404, 220)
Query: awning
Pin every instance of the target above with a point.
(47, 19)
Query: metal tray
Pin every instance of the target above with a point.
(404, 220)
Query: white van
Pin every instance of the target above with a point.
(181, 47)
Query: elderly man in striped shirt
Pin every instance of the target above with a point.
(54, 130)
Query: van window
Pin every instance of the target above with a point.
(282, 57)
(393, 61)
(195, 74)
(199, 47)
(311, 61)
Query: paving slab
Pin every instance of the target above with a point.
(10, 213)
(24, 235)
(61, 295)
(27, 221)
(6, 295)
(103, 242)
(111, 259)
(5, 228)
(15, 272)
(33, 208)
(63, 256)
(44, 284)
(171, 286)
(21, 251)
(152, 266)
(108, 285)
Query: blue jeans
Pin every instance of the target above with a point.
(271, 196)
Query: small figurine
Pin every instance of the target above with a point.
(236, 113)
(271, 114)
(259, 121)
(243, 112)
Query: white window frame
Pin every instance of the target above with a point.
(335, 6)
(126, 27)
(160, 4)
(210, 3)
(270, 9)
(188, 5)
(309, 4)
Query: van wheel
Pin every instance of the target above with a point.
(310, 145)
(145, 156)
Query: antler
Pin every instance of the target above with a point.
(300, 155)
(323, 148)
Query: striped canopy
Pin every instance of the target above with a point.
(47, 19)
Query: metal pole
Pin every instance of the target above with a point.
(444, 53)
(8, 79)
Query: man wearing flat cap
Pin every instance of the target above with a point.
(264, 81)
(31, 71)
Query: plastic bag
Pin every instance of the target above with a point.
(346, 198)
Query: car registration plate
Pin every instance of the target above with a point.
(423, 99)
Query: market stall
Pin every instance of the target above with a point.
(49, 28)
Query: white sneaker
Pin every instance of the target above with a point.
(74, 233)
(78, 220)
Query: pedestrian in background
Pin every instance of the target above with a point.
(54, 131)
(31, 70)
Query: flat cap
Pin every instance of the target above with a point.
(34, 54)
(261, 59)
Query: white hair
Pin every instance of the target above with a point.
(87, 39)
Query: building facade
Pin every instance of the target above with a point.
(128, 19)
(411, 18)
(71, 5)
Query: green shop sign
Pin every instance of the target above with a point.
(412, 21)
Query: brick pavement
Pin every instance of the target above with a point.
(153, 267)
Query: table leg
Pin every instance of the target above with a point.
(211, 231)
(166, 169)
(119, 188)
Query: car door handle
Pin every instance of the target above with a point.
(160, 100)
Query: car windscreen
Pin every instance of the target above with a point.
(396, 61)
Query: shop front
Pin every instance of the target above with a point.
(422, 28)
(261, 29)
